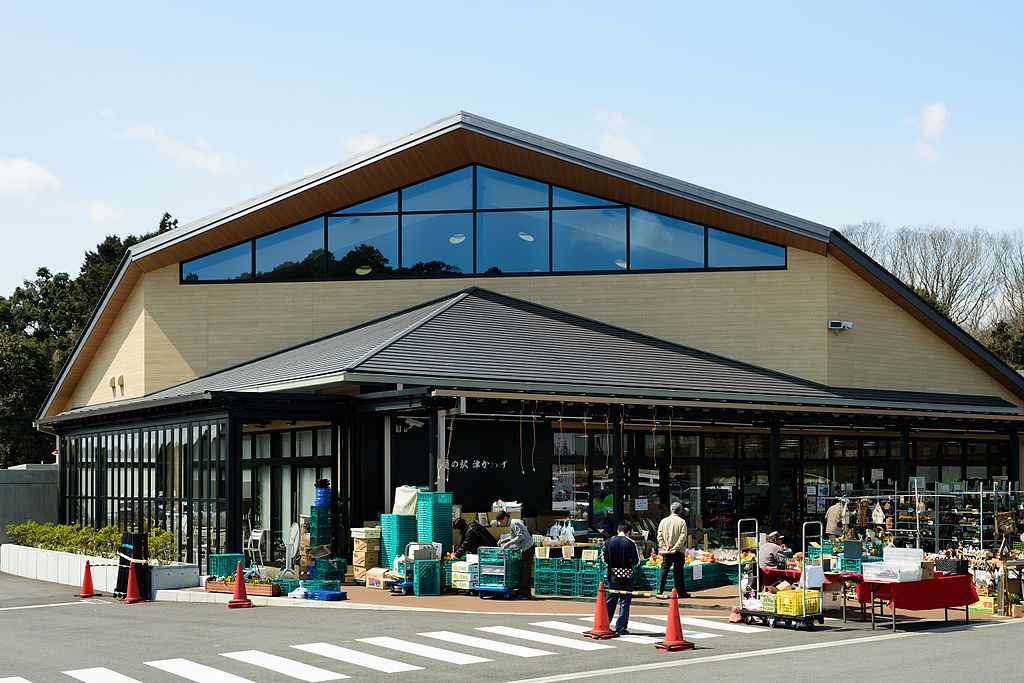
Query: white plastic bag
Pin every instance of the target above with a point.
(299, 593)
(405, 500)
(568, 534)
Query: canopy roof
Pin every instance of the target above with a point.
(478, 339)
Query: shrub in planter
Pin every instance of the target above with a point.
(84, 540)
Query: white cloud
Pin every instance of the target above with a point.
(24, 176)
(99, 211)
(354, 144)
(107, 114)
(925, 152)
(618, 138)
(199, 154)
(931, 121)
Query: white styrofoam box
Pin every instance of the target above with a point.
(904, 555)
(472, 559)
(892, 572)
(465, 567)
(463, 585)
(366, 532)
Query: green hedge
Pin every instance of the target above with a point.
(84, 540)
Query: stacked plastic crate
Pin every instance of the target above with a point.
(330, 569)
(434, 519)
(499, 567)
(427, 577)
(396, 532)
(321, 525)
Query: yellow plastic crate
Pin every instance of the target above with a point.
(788, 603)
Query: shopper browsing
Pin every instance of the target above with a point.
(622, 556)
(834, 519)
(521, 539)
(672, 548)
(474, 537)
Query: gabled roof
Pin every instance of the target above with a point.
(465, 138)
(481, 339)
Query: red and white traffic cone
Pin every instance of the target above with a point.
(87, 591)
(239, 598)
(674, 641)
(132, 596)
(602, 629)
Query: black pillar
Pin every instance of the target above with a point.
(234, 486)
(1013, 467)
(775, 475)
(619, 477)
(904, 482)
(432, 451)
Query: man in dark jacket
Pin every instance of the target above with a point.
(474, 537)
(622, 557)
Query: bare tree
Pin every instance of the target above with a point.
(1010, 268)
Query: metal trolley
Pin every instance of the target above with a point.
(747, 529)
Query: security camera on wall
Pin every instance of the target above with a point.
(837, 326)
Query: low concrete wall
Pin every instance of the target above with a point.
(67, 568)
(27, 492)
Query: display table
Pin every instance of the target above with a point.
(944, 592)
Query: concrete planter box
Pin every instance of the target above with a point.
(68, 569)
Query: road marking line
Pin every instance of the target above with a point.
(710, 658)
(707, 623)
(54, 604)
(283, 665)
(573, 628)
(343, 654)
(641, 627)
(487, 644)
(200, 673)
(99, 675)
(429, 651)
(546, 638)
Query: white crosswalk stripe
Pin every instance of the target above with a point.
(713, 624)
(575, 628)
(487, 644)
(428, 651)
(283, 665)
(200, 673)
(343, 654)
(641, 627)
(99, 675)
(14, 679)
(546, 638)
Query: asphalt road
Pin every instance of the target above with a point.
(46, 633)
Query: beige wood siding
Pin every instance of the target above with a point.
(889, 349)
(122, 352)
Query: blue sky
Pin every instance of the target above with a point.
(112, 113)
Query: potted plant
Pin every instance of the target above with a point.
(1013, 602)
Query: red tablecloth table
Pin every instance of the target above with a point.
(943, 592)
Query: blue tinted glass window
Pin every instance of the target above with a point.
(362, 245)
(450, 192)
(297, 252)
(497, 190)
(386, 204)
(233, 263)
(437, 243)
(561, 197)
(512, 242)
(589, 239)
(726, 250)
(659, 242)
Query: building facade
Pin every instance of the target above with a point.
(476, 308)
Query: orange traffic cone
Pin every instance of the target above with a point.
(132, 596)
(601, 630)
(87, 591)
(674, 641)
(239, 599)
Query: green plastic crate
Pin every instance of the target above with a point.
(287, 585)
(320, 512)
(426, 577)
(320, 585)
(224, 564)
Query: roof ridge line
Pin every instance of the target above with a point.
(459, 296)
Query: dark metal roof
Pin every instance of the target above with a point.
(478, 338)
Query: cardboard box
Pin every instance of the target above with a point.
(927, 570)
(359, 573)
(366, 533)
(366, 545)
(366, 558)
(375, 578)
(986, 603)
